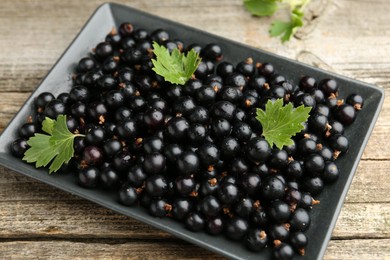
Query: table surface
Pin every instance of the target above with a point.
(351, 38)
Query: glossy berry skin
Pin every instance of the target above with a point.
(238, 166)
(336, 128)
(128, 195)
(181, 207)
(184, 186)
(305, 99)
(229, 148)
(300, 220)
(283, 252)
(279, 211)
(54, 108)
(176, 129)
(236, 80)
(231, 94)
(339, 143)
(244, 207)
(212, 52)
(127, 129)
(156, 185)
(266, 69)
(195, 221)
(328, 86)
(95, 135)
(306, 201)
(197, 134)
(199, 115)
(259, 218)
(188, 163)
(272, 188)
(293, 196)
(278, 159)
(346, 114)
(318, 123)
(326, 153)
(109, 178)
(78, 110)
(246, 68)
(294, 170)
(307, 83)
(223, 109)
(43, 99)
(159, 208)
(152, 144)
(220, 128)
(153, 118)
(27, 130)
(194, 46)
(159, 35)
(19, 147)
(122, 161)
(225, 68)
(278, 231)
(96, 111)
(242, 131)
(307, 146)
(154, 163)
(93, 155)
(89, 177)
(215, 226)
(228, 193)
(256, 239)
(208, 154)
(250, 183)
(314, 185)
(136, 175)
(356, 101)
(236, 228)
(103, 50)
(258, 150)
(125, 29)
(184, 105)
(172, 151)
(205, 96)
(114, 99)
(79, 93)
(298, 240)
(210, 206)
(331, 172)
(314, 164)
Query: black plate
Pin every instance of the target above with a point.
(58, 80)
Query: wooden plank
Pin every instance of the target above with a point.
(109, 249)
(373, 249)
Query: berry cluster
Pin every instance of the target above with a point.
(195, 153)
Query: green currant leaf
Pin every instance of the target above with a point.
(287, 29)
(175, 67)
(280, 122)
(57, 147)
(48, 125)
(261, 7)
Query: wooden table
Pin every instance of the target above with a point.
(37, 221)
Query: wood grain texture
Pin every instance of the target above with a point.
(167, 249)
(345, 36)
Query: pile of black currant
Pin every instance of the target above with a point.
(195, 153)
